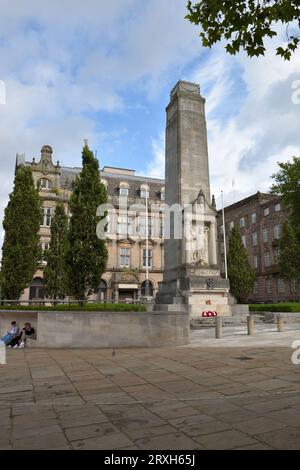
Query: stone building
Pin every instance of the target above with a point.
(260, 218)
(126, 274)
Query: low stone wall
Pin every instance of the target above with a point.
(107, 329)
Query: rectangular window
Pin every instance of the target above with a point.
(280, 285)
(142, 226)
(242, 222)
(254, 238)
(44, 246)
(221, 230)
(122, 225)
(269, 286)
(124, 257)
(46, 217)
(145, 258)
(253, 218)
(267, 259)
(231, 225)
(256, 261)
(265, 234)
(244, 240)
(276, 254)
(276, 232)
(144, 194)
(162, 228)
(123, 191)
(125, 225)
(294, 286)
(266, 211)
(277, 207)
(255, 288)
(222, 247)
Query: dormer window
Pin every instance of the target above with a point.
(144, 191)
(162, 194)
(45, 183)
(123, 189)
(104, 182)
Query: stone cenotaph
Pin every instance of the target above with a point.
(192, 280)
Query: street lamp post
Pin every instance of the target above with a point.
(224, 237)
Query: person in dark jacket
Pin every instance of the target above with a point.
(19, 341)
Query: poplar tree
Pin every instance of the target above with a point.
(241, 275)
(87, 254)
(21, 242)
(55, 273)
(289, 254)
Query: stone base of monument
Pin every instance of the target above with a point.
(200, 296)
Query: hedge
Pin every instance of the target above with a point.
(76, 307)
(286, 307)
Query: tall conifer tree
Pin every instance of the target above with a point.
(87, 254)
(240, 273)
(55, 273)
(21, 242)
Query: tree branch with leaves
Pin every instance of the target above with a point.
(246, 24)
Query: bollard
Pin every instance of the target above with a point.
(218, 326)
(250, 324)
(280, 324)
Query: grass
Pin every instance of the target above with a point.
(78, 308)
(283, 307)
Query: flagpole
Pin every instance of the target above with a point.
(147, 245)
(224, 237)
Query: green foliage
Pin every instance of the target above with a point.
(240, 273)
(55, 273)
(289, 258)
(87, 255)
(21, 243)
(245, 24)
(76, 307)
(286, 307)
(287, 185)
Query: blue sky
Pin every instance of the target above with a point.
(103, 71)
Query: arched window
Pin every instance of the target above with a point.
(102, 291)
(45, 183)
(37, 289)
(147, 292)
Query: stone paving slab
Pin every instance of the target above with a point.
(174, 398)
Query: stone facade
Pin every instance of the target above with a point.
(260, 218)
(125, 276)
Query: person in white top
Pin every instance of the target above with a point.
(11, 333)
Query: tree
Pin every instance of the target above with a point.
(87, 254)
(240, 273)
(55, 273)
(289, 256)
(287, 185)
(21, 242)
(246, 24)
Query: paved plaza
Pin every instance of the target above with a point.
(190, 397)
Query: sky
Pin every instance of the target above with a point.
(103, 71)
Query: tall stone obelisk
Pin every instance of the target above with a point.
(191, 275)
